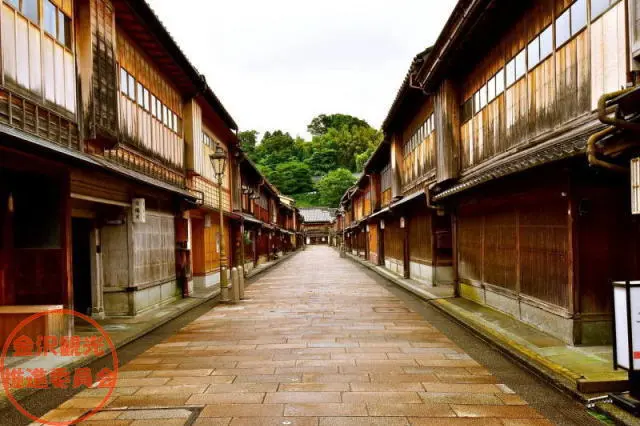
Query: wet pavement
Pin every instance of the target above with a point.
(323, 341)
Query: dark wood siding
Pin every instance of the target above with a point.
(420, 237)
(393, 239)
(519, 241)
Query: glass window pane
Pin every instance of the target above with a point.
(50, 13)
(146, 99)
(30, 10)
(511, 72)
(483, 96)
(14, 3)
(546, 42)
(62, 30)
(533, 52)
(153, 106)
(491, 89)
(521, 64)
(500, 82)
(123, 81)
(476, 103)
(563, 28)
(598, 7)
(66, 24)
(578, 16)
(140, 95)
(132, 87)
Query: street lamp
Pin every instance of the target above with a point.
(219, 164)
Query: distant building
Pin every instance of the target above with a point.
(318, 225)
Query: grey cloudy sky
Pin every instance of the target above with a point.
(277, 64)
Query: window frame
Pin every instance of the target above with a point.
(533, 48)
(549, 29)
(500, 77)
(596, 16)
(510, 80)
(491, 90)
(576, 31)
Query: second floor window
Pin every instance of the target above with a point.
(57, 24)
(208, 140)
(28, 8)
(150, 103)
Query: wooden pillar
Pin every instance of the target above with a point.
(67, 276)
(406, 251)
(456, 273)
(380, 246)
(367, 254)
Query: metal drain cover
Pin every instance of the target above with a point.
(188, 414)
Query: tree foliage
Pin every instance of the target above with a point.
(334, 185)
(293, 177)
(341, 144)
(248, 141)
(322, 123)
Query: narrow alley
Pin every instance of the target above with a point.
(322, 341)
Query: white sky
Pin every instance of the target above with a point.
(276, 64)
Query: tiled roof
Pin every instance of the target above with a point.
(316, 215)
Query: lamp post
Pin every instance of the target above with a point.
(219, 164)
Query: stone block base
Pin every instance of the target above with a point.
(573, 331)
(134, 301)
(425, 274)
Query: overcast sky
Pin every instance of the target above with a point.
(277, 64)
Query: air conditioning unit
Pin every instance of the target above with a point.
(139, 210)
(635, 186)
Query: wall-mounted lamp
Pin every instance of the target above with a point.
(382, 224)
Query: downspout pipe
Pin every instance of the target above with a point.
(604, 113)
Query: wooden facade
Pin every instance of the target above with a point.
(495, 142)
(103, 117)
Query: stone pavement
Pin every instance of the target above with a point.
(317, 342)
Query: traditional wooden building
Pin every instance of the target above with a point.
(491, 187)
(270, 221)
(108, 201)
(318, 225)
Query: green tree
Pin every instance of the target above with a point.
(248, 141)
(333, 186)
(350, 143)
(293, 177)
(278, 147)
(322, 123)
(322, 160)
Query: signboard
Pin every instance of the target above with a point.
(139, 210)
(626, 301)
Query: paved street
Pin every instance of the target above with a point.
(319, 341)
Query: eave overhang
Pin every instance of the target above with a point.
(141, 23)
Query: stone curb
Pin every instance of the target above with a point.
(554, 374)
(23, 393)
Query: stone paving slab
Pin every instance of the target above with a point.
(317, 342)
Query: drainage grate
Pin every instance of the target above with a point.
(188, 414)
